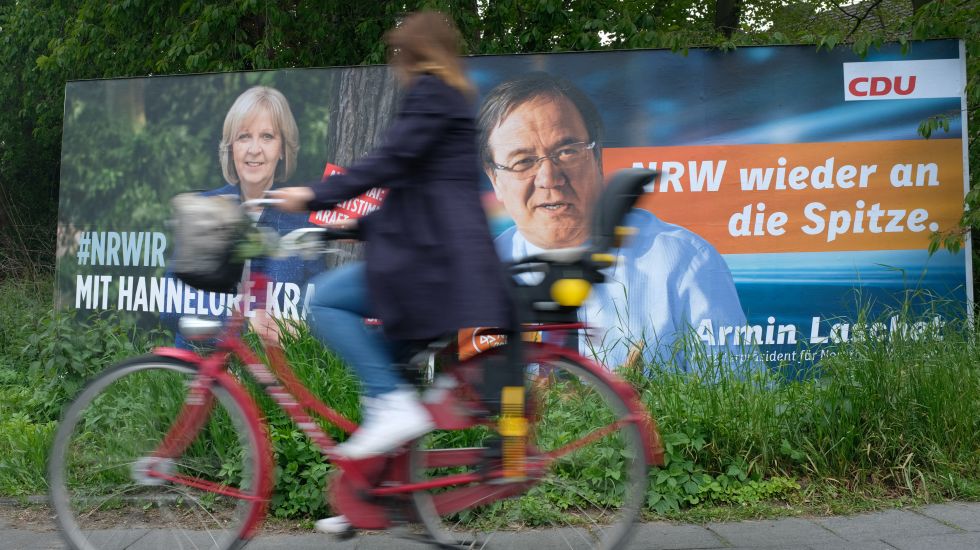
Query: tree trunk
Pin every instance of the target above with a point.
(727, 16)
(365, 103)
(365, 99)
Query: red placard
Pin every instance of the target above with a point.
(350, 209)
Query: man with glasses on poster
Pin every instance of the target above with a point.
(541, 147)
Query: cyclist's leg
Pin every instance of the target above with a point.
(393, 414)
(338, 309)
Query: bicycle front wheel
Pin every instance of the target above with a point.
(592, 479)
(111, 488)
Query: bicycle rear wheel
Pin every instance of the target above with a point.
(588, 496)
(103, 474)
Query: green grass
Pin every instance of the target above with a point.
(886, 421)
(24, 437)
(898, 415)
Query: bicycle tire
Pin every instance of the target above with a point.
(588, 499)
(98, 487)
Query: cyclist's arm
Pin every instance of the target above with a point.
(418, 126)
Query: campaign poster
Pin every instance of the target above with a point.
(131, 145)
(796, 197)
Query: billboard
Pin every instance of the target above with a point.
(794, 209)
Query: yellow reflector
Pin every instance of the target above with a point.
(570, 292)
(603, 259)
(513, 426)
(513, 430)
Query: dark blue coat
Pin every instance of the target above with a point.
(431, 264)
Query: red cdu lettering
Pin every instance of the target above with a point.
(853, 86)
(877, 86)
(906, 91)
(880, 86)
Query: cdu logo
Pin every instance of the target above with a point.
(917, 79)
(862, 86)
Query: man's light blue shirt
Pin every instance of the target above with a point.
(667, 282)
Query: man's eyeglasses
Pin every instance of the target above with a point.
(566, 155)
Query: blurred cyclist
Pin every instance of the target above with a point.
(430, 267)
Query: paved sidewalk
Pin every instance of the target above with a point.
(951, 526)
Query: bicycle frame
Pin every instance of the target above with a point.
(279, 381)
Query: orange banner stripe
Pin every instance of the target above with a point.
(805, 197)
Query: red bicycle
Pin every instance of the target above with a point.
(170, 450)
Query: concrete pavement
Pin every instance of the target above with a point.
(950, 526)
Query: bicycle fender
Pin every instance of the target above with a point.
(185, 355)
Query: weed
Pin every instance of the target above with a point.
(22, 462)
(881, 420)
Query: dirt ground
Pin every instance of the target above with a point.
(34, 516)
(41, 517)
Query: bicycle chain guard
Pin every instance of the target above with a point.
(348, 496)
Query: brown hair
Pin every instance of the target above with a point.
(428, 42)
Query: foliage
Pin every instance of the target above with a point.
(896, 416)
(898, 412)
(20, 300)
(683, 482)
(301, 475)
(62, 355)
(25, 444)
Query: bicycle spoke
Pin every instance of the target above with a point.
(108, 489)
(582, 433)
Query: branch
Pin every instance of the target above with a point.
(845, 12)
(861, 19)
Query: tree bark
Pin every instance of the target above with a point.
(727, 16)
(365, 103)
(365, 99)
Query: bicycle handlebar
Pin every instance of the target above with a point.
(306, 241)
(258, 203)
(310, 242)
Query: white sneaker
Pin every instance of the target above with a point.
(390, 420)
(337, 525)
